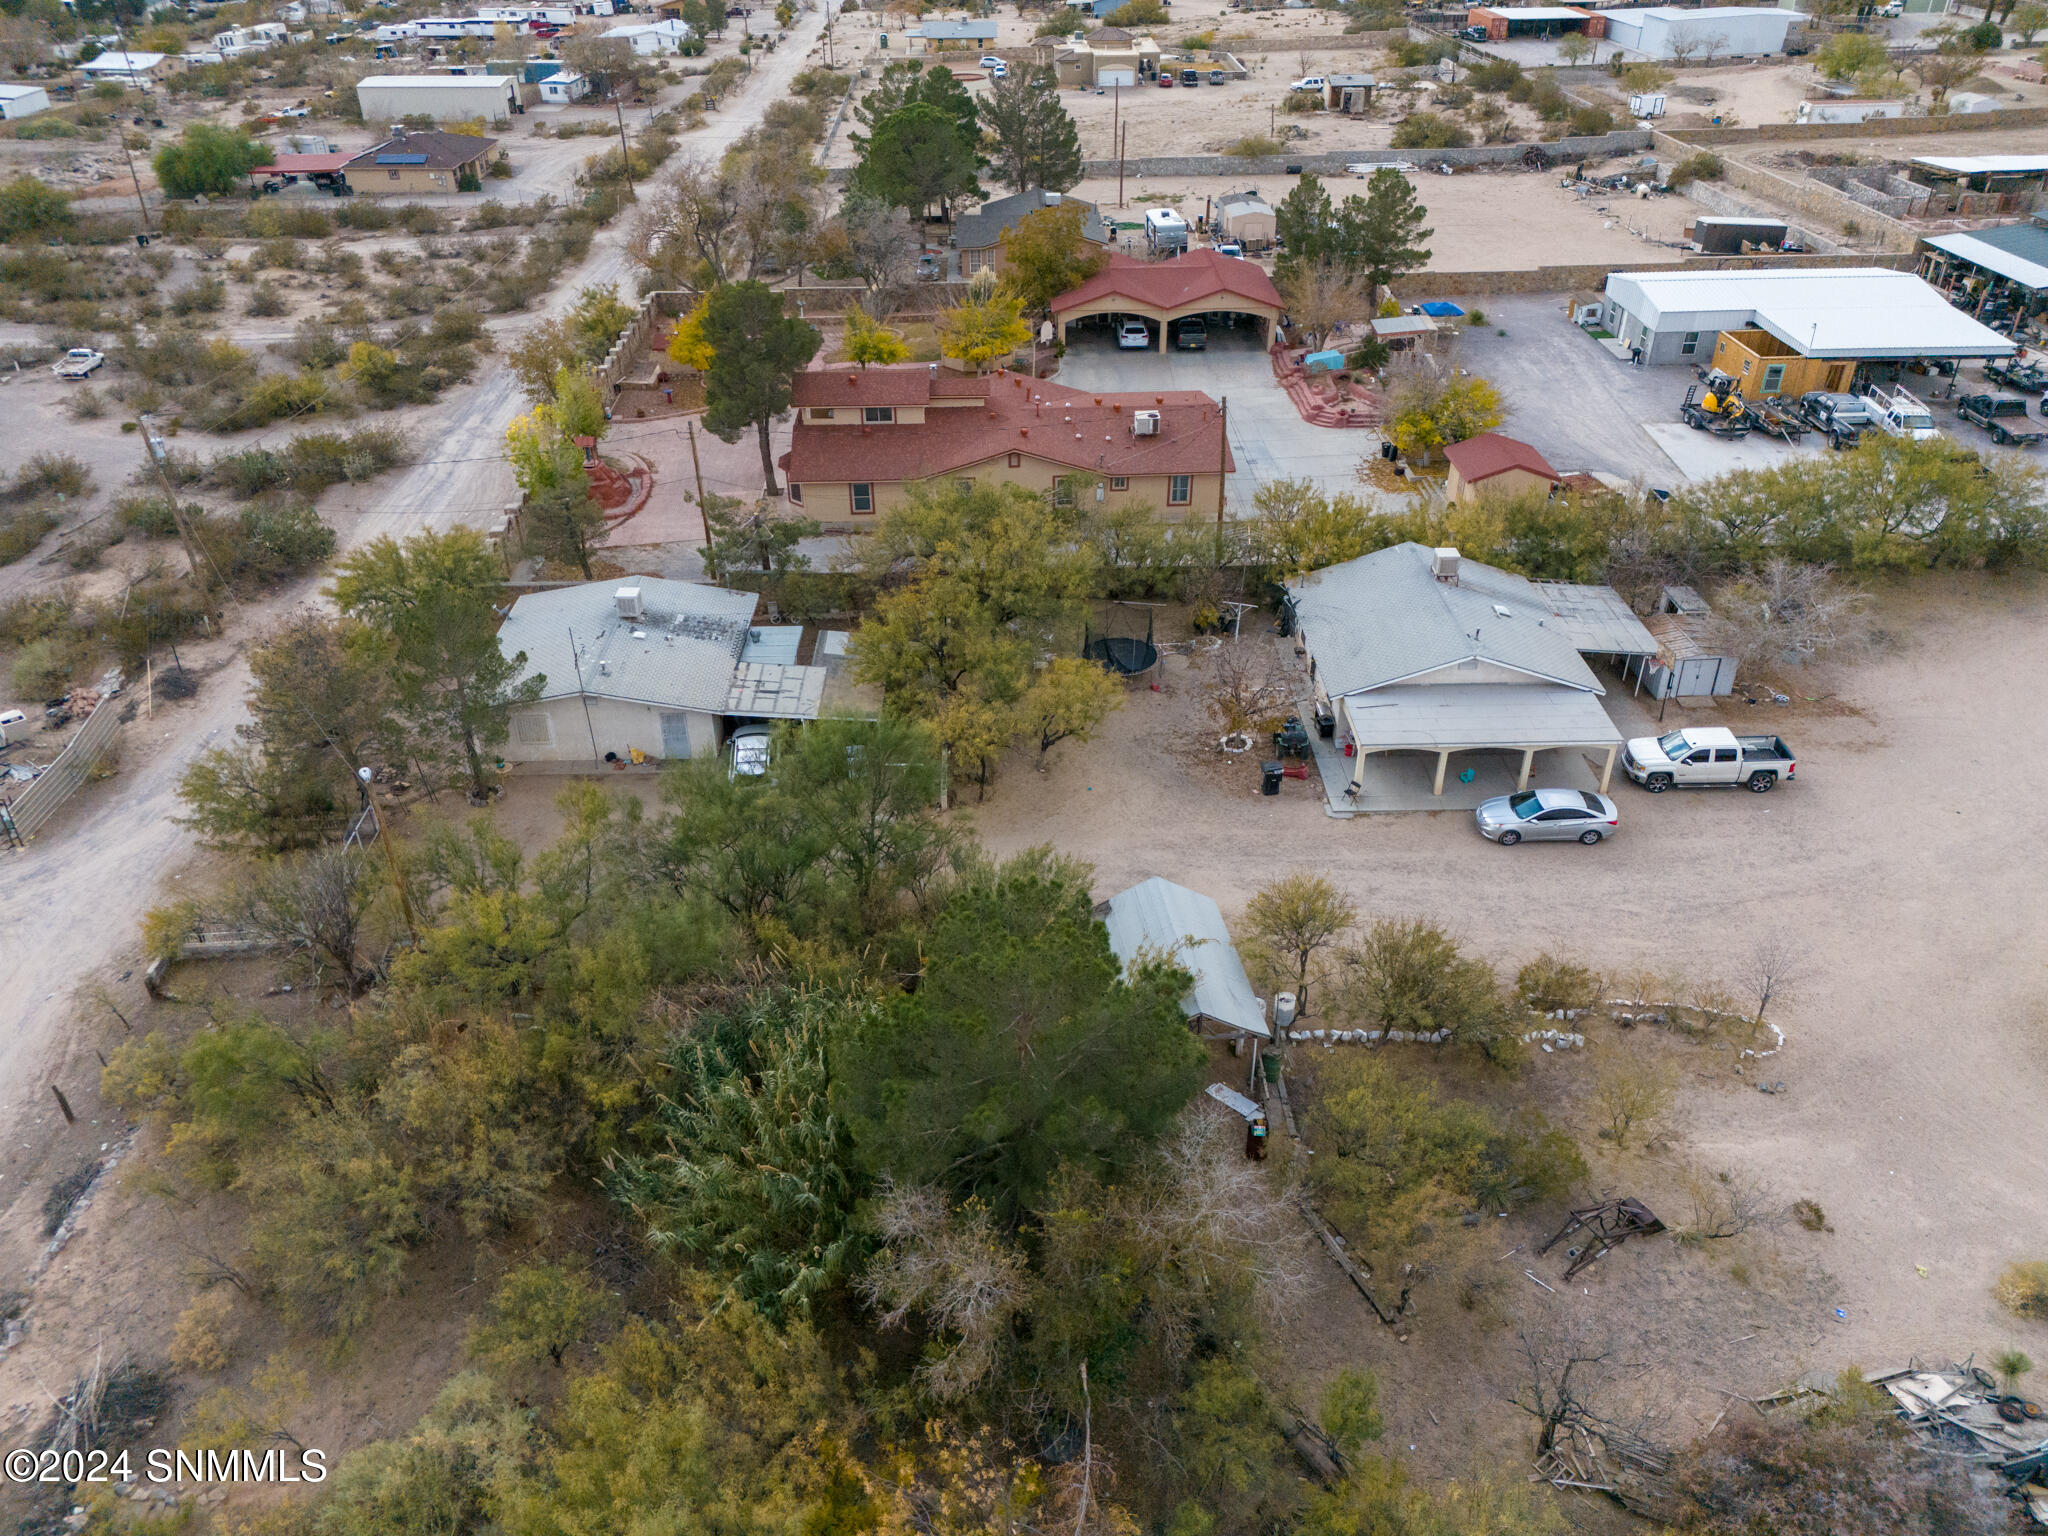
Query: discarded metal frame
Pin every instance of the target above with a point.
(1610, 1224)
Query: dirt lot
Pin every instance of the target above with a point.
(1913, 1073)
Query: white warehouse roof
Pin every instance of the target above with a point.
(1984, 165)
(1823, 312)
(1679, 13)
(479, 83)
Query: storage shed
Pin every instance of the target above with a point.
(1246, 218)
(22, 101)
(445, 98)
(1687, 664)
(1158, 919)
(1709, 32)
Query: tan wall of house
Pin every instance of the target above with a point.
(831, 502)
(1509, 482)
(619, 727)
(377, 180)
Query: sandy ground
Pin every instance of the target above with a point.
(1485, 221)
(1914, 1070)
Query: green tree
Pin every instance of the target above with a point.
(1138, 13)
(916, 158)
(756, 538)
(540, 1312)
(1410, 975)
(563, 521)
(1387, 231)
(867, 340)
(1305, 223)
(1024, 1048)
(597, 319)
(757, 349)
(2029, 20)
(439, 1478)
(907, 83)
(435, 597)
(1067, 700)
(1046, 254)
(320, 706)
(207, 160)
(756, 1176)
(32, 207)
(1295, 920)
(985, 327)
(1429, 415)
(1848, 55)
(1033, 139)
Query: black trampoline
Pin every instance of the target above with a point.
(1128, 655)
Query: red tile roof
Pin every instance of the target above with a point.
(1070, 427)
(1489, 454)
(1170, 284)
(903, 384)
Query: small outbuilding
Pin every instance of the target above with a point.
(1246, 218)
(445, 98)
(22, 101)
(141, 70)
(1156, 919)
(1493, 465)
(564, 86)
(421, 163)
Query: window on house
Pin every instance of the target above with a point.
(863, 497)
(1690, 345)
(964, 485)
(1774, 378)
(1016, 461)
(392, 174)
(533, 728)
(878, 413)
(796, 493)
(1063, 493)
(821, 413)
(1180, 490)
(1119, 483)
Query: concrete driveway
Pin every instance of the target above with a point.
(1268, 438)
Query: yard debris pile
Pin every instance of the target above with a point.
(1961, 1411)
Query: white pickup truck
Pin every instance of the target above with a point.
(78, 363)
(1900, 412)
(1701, 757)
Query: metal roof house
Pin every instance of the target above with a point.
(1414, 649)
(643, 669)
(1157, 917)
(1850, 313)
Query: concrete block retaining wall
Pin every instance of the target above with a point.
(1876, 128)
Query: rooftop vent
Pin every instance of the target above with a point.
(628, 601)
(1443, 565)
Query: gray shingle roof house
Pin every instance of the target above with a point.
(978, 236)
(1158, 917)
(644, 668)
(1417, 650)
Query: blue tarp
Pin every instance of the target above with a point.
(1441, 308)
(1323, 360)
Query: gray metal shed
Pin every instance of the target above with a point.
(1157, 917)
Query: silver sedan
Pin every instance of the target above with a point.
(1561, 815)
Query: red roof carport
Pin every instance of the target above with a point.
(1197, 283)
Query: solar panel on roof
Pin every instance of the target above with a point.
(401, 160)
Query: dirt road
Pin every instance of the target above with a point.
(70, 906)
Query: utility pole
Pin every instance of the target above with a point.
(1123, 138)
(691, 428)
(141, 206)
(412, 925)
(158, 459)
(1223, 463)
(625, 152)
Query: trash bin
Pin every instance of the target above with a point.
(1326, 726)
(1269, 777)
(1270, 1065)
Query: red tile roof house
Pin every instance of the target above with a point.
(864, 437)
(1490, 464)
(1199, 283)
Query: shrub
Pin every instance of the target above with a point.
(49, 474)
(274, 397)
(1704, 166)
(200, 1341)
(2023, 1288)
(1548, 984)
(1495, 76)
(274, 220)
(309, 465)
(207, 295)
(1254, 146)
(30, 207)
(1430, 130)
(41, 669)
(266, 300)
(1591, 122)
(207, 160)
(151, 516)
(1985, 37)
(263, 543)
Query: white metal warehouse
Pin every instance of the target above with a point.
(1861, 313)
(1710, 32)
(444, 98)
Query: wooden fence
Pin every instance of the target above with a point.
(34, 806)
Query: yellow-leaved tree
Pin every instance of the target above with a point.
(688, 346)
(869, 341)
(986, 327)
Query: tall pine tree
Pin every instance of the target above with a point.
(1033, 139)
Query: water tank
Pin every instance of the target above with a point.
(1283, 1010)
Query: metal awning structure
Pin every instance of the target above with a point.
(1599, 622)
(2012, 265)
(1157, 917)
(765, 691)
(1467, 717)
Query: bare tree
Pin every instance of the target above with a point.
(1726, 1205)
(313, 905)
(955, 1267)
(1247, 689)
(1787, 613)
(1683, 44)
(885, 244)
(1322, 296)
(1295, 919)
(1568, 1375)
(1712, 43)
(1768, 972)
